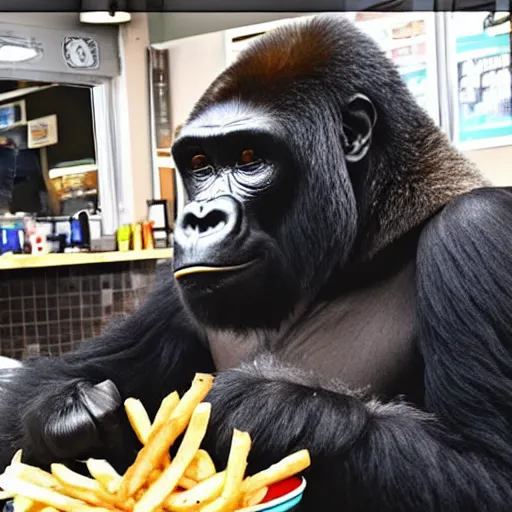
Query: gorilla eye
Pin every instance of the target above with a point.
(248, 156)
(199, 161)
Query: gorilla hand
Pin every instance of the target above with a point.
(75, 420)
(283, 413)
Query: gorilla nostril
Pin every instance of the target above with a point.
(213, 220)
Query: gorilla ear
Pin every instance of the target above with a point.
(359, 118)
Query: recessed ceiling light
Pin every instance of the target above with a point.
(104, 12)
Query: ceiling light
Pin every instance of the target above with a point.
(104, 17)
(18, 49)
(10, 53)
(104, 12)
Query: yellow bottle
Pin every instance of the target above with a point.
(137, 237)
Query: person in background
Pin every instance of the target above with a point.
(8, 155)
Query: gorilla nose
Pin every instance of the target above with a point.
(221, 217)
(208, 233)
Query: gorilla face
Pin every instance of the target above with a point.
(230, 257)
(272, 212)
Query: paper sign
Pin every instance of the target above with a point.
(42, 132)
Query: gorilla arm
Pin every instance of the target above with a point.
(368, 456)
(62, 408)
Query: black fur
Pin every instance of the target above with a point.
(328, 226)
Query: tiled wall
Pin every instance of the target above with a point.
(48, 311)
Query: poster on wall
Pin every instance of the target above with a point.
(409, 40)
(42, 132)
(483, 113)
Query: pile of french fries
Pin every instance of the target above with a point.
(187, 483)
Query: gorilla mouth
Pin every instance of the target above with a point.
(202, 269)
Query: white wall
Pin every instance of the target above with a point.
(194, 64)
(171, 26)
(495, 163)
(135, 43)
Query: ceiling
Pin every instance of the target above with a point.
(251, 5)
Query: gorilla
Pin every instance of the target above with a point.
(342, 269)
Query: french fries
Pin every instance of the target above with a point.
(164, 436)
(189, 482)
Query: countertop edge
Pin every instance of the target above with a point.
(21, 261)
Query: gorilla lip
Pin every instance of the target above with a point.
(198, 269)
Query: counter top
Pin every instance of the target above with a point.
(17, 261)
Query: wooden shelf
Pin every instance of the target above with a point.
(19, 261)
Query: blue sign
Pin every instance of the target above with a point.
(484, 87)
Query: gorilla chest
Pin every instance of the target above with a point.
(365, 339)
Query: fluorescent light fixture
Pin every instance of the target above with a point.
(105, 18)
(11, 53)
(496, 30)
(497, 23)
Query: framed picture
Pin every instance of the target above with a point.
(482, 79)
(81, 52)
(42, 132)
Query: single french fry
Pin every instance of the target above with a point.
(43, 495)
(255, 498)
(163, 415)
(163, 438)
(235, 472)
(104, 473)
(138, 418)
(155, 496)
(285, 468)
(167, 407)
(201, 467)
(237, 462)
(201, 494)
